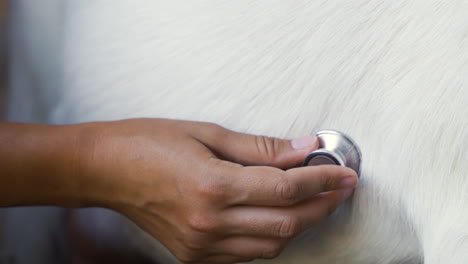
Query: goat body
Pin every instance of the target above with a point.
(391, 74)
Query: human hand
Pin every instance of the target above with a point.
(211, 195)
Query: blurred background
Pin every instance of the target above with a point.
(3, 80)
(3, 44)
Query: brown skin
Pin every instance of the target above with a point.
(210, 195)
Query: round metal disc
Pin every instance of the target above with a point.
(335, 148)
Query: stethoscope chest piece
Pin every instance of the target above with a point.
(335, 148)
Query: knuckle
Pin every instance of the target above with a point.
(272, 251)
(217, 131)
(288, 228)
(194, 244)
(268, 147)
(186, 256)
(326, 180)
(186, 230)
(288, 190)
(214, 126)
(213, 191)
(202, 223)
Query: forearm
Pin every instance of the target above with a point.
(42, 165)
(186, 183)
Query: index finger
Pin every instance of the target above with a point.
(270, 186)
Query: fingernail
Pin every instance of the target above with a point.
(303, 142)
(348, 182)
(345, 194)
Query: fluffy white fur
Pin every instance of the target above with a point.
(391, 74)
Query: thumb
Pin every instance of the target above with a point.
(257, 150)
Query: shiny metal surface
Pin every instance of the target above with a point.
(335, 148)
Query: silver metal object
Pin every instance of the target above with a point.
(335, 148)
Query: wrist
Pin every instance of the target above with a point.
(93, 166)
(99, 155)
(82, 186)
(45, 165)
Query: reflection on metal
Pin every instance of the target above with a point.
(335, 148)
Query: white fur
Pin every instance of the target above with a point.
(391, 74)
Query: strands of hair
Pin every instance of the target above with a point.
(391, 74)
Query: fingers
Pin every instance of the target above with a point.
(248, 232)
(248, 149)
(282, 222)
(251, 247)
(224, 259)
(274, 187)
(257, 185)
(244, 249)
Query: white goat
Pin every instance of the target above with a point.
(391, 74)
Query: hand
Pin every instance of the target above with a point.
(211, 195)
